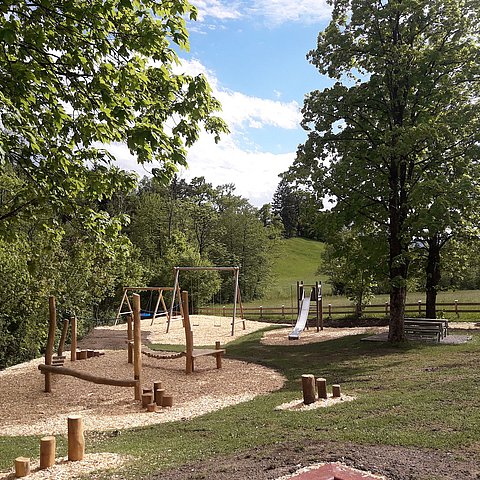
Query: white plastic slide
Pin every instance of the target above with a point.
(301, 320)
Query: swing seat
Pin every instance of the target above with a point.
(145, 314)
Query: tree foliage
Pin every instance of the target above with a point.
(197, 224)
(401, 114)
(78, 75)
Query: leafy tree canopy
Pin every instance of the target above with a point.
(77, 75)
(402, 112)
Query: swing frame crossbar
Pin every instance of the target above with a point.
(237, 299)
(156, 313)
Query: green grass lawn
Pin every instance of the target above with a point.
(297, 259)
(412, 395)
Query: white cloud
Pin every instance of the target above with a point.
(254, 172)
(274, 11)
(281, 11)
(240, 110)
(216, 9)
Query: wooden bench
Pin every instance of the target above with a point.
(425, 328)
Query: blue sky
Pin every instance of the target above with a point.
(253, 54)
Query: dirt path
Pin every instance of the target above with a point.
(270, 463)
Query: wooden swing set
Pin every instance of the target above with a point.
(237, 299)
(160, 309)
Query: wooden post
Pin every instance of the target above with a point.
(420, 307)
(456, 308)
(76, 440)
(176, 291)
(50, 341)
(22, 467)
(73, 345)
(156, 386)
(188, 335)
(322, 388)
(298, 297)
(336, 393)
(386, 308)
(219, 355)
(47, 452)
(330, 311)
(152, 407)
(129, 339)
(167, 401)
(242, 313)
(159, 396)
(61, 345)
(137, 347)
(308, 386)
(283, 312)
(147, 398)
(320, 301)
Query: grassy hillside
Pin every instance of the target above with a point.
(296, 259)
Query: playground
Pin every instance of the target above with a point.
(107, 407)
(257, 375)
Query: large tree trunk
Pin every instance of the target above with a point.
(433, 276)
(398, 292)
(398, 255)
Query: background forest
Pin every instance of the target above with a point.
(164, 225)
(180, 223)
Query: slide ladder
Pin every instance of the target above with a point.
(301, 319)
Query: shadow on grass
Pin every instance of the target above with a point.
(345, 359)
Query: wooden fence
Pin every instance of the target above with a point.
(286, 313)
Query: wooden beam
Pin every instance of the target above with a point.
(87, 377)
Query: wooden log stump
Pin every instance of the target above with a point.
(147, 398)
(322, 388)
(152, 407)
(82, 355)
(336, 392)
(159, 396)
(167, 400)
(156, 386)
(308, 387)
(22, 467)
(47, 452)
(90, 353)
(76, 440)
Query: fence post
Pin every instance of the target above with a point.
(261, 312)
(330, 311)
(386, 308)
(456, 308)
(283, 312)
(224, 311)
(420, 307)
